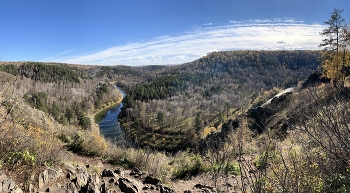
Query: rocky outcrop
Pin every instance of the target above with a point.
(49, 176)
(81, 179)
(128, 185)
(8, 185)
(314, 79)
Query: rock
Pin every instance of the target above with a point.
(228, 184)
(107, 173)
(8, 185)
(72, 174)
(151, 180)
(82, 177)
(104, 188)
(78, 175)
(119, 171)
(314, 79)
(166, 189)
(146, 187)
(31, 188)
(112, 180)
(92, 186)
(347, 82)
(204, 188)
(128, 185)
(108, 188)
(71, 188)
(48, 176)
(136, 171)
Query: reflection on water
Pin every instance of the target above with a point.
(109, 126)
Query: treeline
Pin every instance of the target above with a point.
(210, 90)
(115, 71)
(163, 87)
(242, 64)
(42, 72)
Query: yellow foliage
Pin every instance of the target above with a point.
(91, 142)
(335, 64)
(29, 143)
(208, 130)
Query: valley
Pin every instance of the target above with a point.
(230, 121)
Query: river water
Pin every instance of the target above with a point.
(109, 125)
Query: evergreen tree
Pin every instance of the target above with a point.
(160, 118)
(335, 56)
(198, 122)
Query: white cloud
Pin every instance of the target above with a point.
(267, 34)
(177, 58)
(234, 22)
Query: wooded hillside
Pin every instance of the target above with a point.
(204, 93)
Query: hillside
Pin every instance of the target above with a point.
(215, 107)
(302, 136)
(194, 99)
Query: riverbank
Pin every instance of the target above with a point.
(109, 104)
(118, 100)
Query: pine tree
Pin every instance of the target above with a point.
(161, 119)
(198, 122)
(335, 55)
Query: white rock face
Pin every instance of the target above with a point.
(278, 95)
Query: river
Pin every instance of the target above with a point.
(109, 125)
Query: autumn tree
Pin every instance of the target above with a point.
(161, 118)
(336, 53)
(198, 122)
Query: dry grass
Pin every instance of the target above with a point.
(27, 145)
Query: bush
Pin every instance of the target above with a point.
(191, 167)
(88, 143)
(226, 168)
(27, 145)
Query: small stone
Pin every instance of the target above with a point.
(107, 173)
(151, 180)
(136, 171)
(118, 171)
(111, 180)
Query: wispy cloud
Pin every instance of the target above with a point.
(266, 34)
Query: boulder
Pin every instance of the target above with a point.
(92, 186)
(166, 189)
(108, 173)
(48, 176)
(136, 171)
(151, 180)
(129, 186)
(8, 185)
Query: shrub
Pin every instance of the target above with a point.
(27, 145)
(190, 167)
(88, 143)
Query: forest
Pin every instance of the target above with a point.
(205, 93)
(235, 121)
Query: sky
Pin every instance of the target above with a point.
(156, 32)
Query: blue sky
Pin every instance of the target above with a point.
(140, 32)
